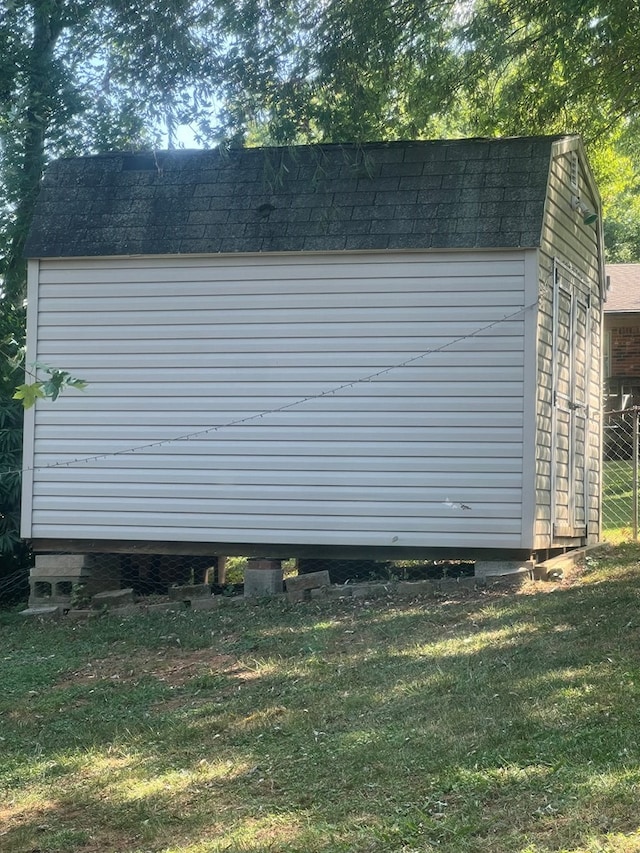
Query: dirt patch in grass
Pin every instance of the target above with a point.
(174, 667)
(57, 826)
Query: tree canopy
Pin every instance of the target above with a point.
(78, 76)
(85, 75)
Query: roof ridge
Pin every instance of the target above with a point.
(482, 192)
(395, 143)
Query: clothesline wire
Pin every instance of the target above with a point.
(285, 407)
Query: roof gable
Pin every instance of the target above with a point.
(470, 193)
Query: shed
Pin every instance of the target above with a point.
(365, 351)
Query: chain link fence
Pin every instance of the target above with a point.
(620, 475)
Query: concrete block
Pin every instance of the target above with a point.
(542, 572)
(499, 568)
(311, 580)
(126, 611)
(163, 607)
(297, 595)
(261, 582)
(52, 590)
(408, 588)
(511, 579)
(54, 576)
(211, 603)
(370, 590)
(189, 592)
(331, 592)
(75, 574)
(42, 612)
(262, 564)
(112, 598)
(80, 615)
(52, 565)
(76, 565)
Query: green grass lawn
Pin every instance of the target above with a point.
(495, 722)
(617, 501)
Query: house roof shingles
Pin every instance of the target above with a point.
(624, 291)
(470, 193)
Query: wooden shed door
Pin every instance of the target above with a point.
(571, 360)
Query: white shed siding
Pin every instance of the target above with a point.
(258, 400)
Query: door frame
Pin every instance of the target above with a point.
(568, 282)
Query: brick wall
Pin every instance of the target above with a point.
(625, 351)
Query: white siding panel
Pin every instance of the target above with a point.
(156, 480)
(406, 515)
(160, 529)
(442, 266)
(378, 394)
(270, 306)
(197, 451)
(261, 376)
(293, 361)
(306, 435)
(152, 409)
(292, 392)
(444, 330)
(228, 348)
(290, 418)
(219, 466)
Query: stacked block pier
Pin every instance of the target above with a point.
(54, 577)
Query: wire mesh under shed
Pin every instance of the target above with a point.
(75, 580)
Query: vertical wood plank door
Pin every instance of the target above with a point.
(571, 364)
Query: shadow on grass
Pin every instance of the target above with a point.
(489, 723)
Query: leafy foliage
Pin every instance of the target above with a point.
(571, 65)
(14, 555)
(86, 75)
(58, 380)
(341, 70)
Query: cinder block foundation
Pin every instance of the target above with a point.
(262, 577)
(54, 576)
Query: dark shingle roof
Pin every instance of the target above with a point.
(444, 194)
(624, 293)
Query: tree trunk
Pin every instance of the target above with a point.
(40, 88)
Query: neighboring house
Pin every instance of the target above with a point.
(380, 350)
(621, 345)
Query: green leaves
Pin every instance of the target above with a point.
(50, 388)
(28, 394)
